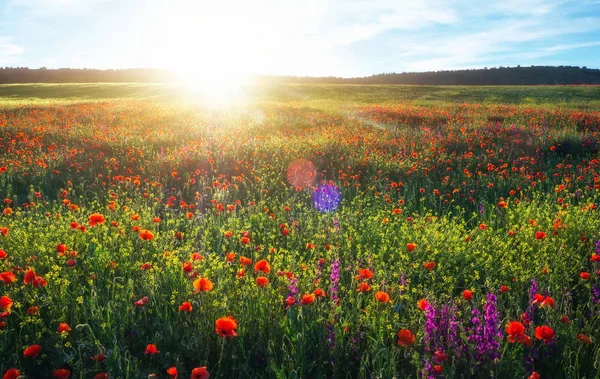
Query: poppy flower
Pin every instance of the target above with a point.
(99, 357)
(172, 371)
(429, 265)
(289, 301)
(32, 351)
(245, 261)
(422, 304)
(5, 303)
(382, 297)
(514, 329)
(261, 281)
(101, 375)
(141, 302)
(202, 285)
(61, 249)
(63, 328)
(319, 293)
(8, 277)
(61, 373)
(534, 375)
(307, 299)
(406, 338)
(245, 240)
(200, 373)
(11, 373)
(439, 356)
(363, 287)
(146, 235)
(186, 306)
(187, 267)
(504, 288)
(584, 339)
(545, 333)
(3, 254)
(540, 235)
(467, 295)
(364, 274)
(565, 319)
(263, 266)
(226, 327)
(411, 247)
(96, 219)
(151, 350)
(584, 275)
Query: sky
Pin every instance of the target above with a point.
(308, 37)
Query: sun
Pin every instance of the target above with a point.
(216, 88)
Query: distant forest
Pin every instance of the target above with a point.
(487, 76)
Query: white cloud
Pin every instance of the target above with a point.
(9, 50)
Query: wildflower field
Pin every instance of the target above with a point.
(311, 232)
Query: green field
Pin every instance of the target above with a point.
(302, 231)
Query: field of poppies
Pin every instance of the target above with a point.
(284, 239)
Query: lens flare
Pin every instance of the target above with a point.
(326, 198)
(301, 173)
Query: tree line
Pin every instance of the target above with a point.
(531, 75)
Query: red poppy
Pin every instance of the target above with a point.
(32, 351)
(141, 302)
(289, 301)
(245, 240)
(226, 327)
(101, 375)
(584, 339)
(11, 373)
(99, 357)
(200, 373)
(382, 297)
(202, 285)
(364, 274)
(261, 281)
(8, 277)
(2, 254)
(151, 350)
(534, 375)
(411, 247)
(565, 319)
(146, 235)
(405, 338)
(187, 267)
(514, 329)
(422, 304)
(540, 235)
(172, 371)
(245, 261)
(186, 306)
(63, 328)
(5, 303)
(319, 293)
(96, 219)
(584, 275)
(307, 299)
(429, 265)
(363, 287)
(467, 295)
(545, 333)
(263, 266)
(61, 373)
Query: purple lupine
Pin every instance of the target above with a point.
(334, 280)
(431, 328)
(293, 288)
(595, 294)
(532, 308)
(481, 208)
(330, 337)
(475, 336)
(492, 331)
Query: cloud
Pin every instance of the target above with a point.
(9, 50)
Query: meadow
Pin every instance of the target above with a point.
(333, 231)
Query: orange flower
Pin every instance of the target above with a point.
(261, 281)
(307, 299)
(226, 327)
(245, 240)
(545, 333)
(422, 304)
(263, 266)
(411, 247)
(5, 303)
(363, 287)
(63, 328)
(200, 373)
(61, 373)
(405, 338)
(364, 274)
(186, 306)
(32, 351)
(382, 297)
(146, 235)
(202, 284)
(151, 350)
(96, 219)
(319, 293)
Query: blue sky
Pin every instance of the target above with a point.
(309, 37)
